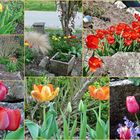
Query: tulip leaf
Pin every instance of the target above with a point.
(92, 132)
(100, 129)
(73, 129)
(33, 128)
(18, 134)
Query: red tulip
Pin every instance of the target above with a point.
(110, 39)
(127, 42)
(92, 42)
(135, 24)
(9, 119)
(100, 34)
(132, 105)
(125, 133)
(126, 35)
(94, 63)
(4, 120)
(3, 91)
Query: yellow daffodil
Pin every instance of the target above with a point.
(44, 93)
(1, 8)
(26, 44)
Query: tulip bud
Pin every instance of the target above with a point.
(81, 106)
(69, 108)
(132, 105)
(125, 133)
(3, 91)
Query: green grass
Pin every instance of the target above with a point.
(40, 5)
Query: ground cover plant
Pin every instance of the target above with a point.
(11, 14)
(11, 53)
(67, 108)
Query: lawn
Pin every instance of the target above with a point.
(40, 5)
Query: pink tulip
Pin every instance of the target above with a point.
(9, 119)
(3, 91)
(4, 120)
(132, 105)
(125, 133)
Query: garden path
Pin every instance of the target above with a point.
(51, 19)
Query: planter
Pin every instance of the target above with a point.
(61, 68)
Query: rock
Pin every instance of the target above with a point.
(37, 72)
(119, 91)
(15, 91)
(121, 65)
(120, 5)
(44, 62)
(19, 105)
(10, 75)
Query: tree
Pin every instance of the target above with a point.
(67, 12)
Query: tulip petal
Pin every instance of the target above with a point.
(4, 120)
(14, 119)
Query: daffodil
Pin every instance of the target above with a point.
(1, 7)
(44, 93)
(65, 37)
(26, 44)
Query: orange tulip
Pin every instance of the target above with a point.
(99, 93)
(44, 93)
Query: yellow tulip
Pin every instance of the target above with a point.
(44, 93)
(1, 7)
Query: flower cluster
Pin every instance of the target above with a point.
(9, 118)
(27, 44)
(44, 93)
(120, 37)
(130, 130)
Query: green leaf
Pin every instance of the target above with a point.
(33, 128)
(65, 127)
(92, 132)
(73, 129)
(83, 125)
(100, 129)
(18, 134)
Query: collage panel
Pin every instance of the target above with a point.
(111, 38)
(11, 57)
(125, 108)
(53, 38)
(11, 16)
(67, 108)
(12, 109)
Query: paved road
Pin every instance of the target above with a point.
(51, 19)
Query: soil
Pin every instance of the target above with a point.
(19, 29)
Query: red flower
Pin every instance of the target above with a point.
(100, 34)
(137, 17)
(127, 42)
(3, 91)
(125, 133)
(127, 28)
(112, 29)
(132, 105)
(126, 35)
(94, 63)
(92, 42)
(110, 39)
(9, 119)
(135, 24)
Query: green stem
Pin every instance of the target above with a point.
(69, 120)
(44, 112)
(100, 108)
(5, 133)
(138, 123)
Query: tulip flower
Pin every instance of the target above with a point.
(9, 119)
(94, 63)
(110, 39)
(99, 93)
(3, 91)
(92, 42)
(125, 133)
(44, 93)
(132, 105)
